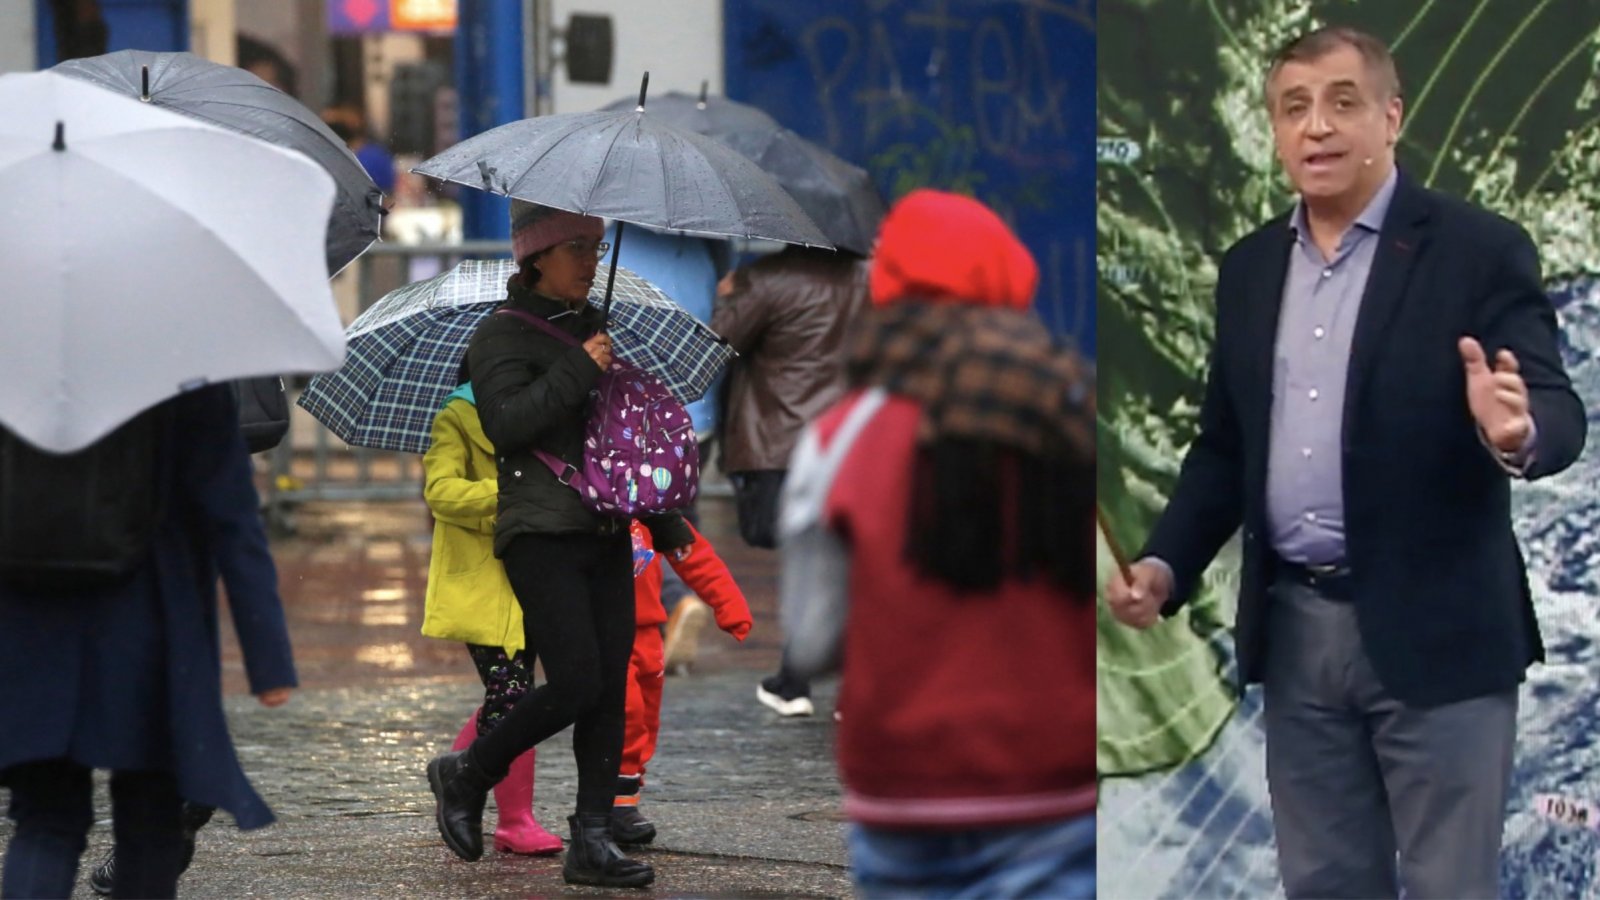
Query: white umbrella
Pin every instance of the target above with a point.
(147, 253)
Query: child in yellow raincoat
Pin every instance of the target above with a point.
(469, 599)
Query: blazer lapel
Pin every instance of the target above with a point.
(1266, 303)
(1400, 243)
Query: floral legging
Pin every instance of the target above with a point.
(505, 679)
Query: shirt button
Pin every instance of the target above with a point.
(517, 473)
(1327, 273)
(1306, 452)
(1318, 332)
(1311, 517)
(1312, 393)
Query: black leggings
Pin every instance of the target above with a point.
(52, 803)
(576, 593)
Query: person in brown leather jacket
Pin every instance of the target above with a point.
(789, 316)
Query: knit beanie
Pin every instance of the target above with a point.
(938, 246)
(535, 227)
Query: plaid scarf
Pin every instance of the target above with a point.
(1005, 471)
(980, 373)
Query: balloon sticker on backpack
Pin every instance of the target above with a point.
(634, 425)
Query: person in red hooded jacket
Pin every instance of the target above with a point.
(704, 572)
(940, 516)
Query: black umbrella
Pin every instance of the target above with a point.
(632, 167)
(839, 197)
(239, 101)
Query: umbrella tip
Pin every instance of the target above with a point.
(61, 137)
(705, 85)
(643, 86)
(144, 83)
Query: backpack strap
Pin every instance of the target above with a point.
(563, 470)
(541, 323)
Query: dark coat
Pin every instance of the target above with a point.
(130, 677)
(533, 392)
(1440, 590)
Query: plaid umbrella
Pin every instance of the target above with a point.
(404, 353)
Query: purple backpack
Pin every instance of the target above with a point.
(640, 455)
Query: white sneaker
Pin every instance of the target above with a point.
(799, 706)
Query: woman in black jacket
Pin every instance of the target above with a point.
(571, 568)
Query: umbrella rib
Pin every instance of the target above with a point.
(588, 201)
(666, 187)
(339, 149)
(516, 185)
(728, 186)
(190, 75)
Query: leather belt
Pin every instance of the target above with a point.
(1332, 581)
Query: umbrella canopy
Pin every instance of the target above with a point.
(405, 352)
(838, 197)
(146, 253)
(239, 101)
(630, 166)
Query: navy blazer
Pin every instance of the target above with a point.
(130, 677)
(1441, 592)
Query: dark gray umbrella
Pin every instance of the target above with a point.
(632, 167)
(839, 197)
(239, 101)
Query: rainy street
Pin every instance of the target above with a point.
(354, 347)
(745, 802)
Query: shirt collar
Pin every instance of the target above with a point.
(1371, 218)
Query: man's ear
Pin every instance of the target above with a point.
(1394, 114)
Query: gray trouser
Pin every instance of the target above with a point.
(1356, 776)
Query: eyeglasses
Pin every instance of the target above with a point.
(582, 247)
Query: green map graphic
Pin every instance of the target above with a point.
(1500, 108)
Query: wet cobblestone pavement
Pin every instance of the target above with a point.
(746, 802)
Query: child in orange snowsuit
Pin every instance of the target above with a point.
(707, 575)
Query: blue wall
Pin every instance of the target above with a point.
(159, 25)
(994, 98)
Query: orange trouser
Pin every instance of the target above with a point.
(646, 672)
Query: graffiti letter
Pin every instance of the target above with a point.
(828, 79)
(996, 137)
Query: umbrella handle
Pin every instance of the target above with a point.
(1117, 555)
(643, 86)
(611, 278)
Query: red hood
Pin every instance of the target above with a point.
(938, 246)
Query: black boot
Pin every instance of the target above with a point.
(628, 826)
(194, 818)
(460, 789)
(593, 858)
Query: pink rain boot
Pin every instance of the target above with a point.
(469, 733)
(517, 831)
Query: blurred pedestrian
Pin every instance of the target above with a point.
(788, 315)
(570, 568)
(350, 124)
(469, 599)
(705, 572)
(940, 517)
(127, 676)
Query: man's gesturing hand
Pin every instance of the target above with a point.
(1498, 397)
(1139, 604)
